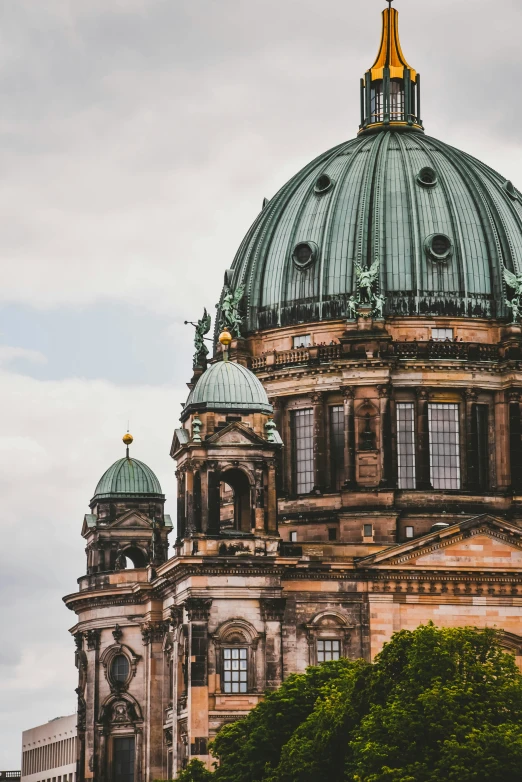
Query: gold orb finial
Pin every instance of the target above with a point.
(225, 338)
(128, 439)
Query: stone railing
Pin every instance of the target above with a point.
(296, 356)
(454, 351)
(431, 351)
(10, 775)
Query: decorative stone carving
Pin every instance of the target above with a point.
(273, 609)
(198, 609)
(176, 616)
(168, 737)
(93, 639)
(348, 392)
(153, 632)
(81, 711)
(117, 633)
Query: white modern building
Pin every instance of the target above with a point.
(49, 751)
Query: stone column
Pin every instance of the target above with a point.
(515, 439)
(349, 437)
(423, 441)
(469, 464)
(385, 436)
(153, 635)
(271, 502)
(278, 403)
(176, 621)
(318, 399)
(92, 638)
(189, 501)
(272, 612)
(198, 611)
(181, 517)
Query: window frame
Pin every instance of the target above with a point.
(336, 442)
(303, 341)
(437, 480)
(240, 649)
(300, 487)
(325, 640)
(407, 459)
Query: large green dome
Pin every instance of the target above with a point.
(227, 387)
(442, 225)
(128, 477)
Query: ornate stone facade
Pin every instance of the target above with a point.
(379, 489)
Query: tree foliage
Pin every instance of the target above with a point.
(437, 704)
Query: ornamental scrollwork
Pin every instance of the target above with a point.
(367, 295)
(152, 632)
(198, 609)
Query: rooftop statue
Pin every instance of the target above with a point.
(515, 304)
(231, 320)
(367, 294)
(202, 329)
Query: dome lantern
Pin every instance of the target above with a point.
(390, 89)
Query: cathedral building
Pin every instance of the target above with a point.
(348, 461)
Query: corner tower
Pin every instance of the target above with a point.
(226, 456)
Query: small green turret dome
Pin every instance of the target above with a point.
(228, 387)
(128, 477)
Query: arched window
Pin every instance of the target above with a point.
(328, 637)
(120, 668)
(235, 501)
(235, 645)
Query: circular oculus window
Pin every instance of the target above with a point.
(304, 254)
(323, 184)
(427, 177)
(439, 247)
(120, 669)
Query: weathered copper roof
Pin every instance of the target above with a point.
(127, 476)
(228, 387)
(383, 197)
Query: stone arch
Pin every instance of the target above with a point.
(329, 625)
(237, 634)
(242, 483)
(120, 709)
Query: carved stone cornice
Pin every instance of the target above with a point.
(273, 609)
(198, 609)
(153, 632)
(93, 639)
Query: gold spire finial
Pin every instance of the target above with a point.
(128, 439)
(226, 340)
(390, 52)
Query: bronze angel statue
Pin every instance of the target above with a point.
(366, 279)
(231, 320)
(202, 328)
(514, 281)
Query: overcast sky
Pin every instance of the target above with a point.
(137, 141)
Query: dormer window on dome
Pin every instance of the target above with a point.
(390, 90)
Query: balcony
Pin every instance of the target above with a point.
(471, 352)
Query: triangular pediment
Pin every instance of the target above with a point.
(181, 438)
(481, 543)
(236, 433)
(131, 520)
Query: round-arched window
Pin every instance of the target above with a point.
(427, 177)
(120, 669)
(304, 255)
(439, 247)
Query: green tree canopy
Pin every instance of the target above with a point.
(436, 704)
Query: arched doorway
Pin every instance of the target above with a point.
(235, 502)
